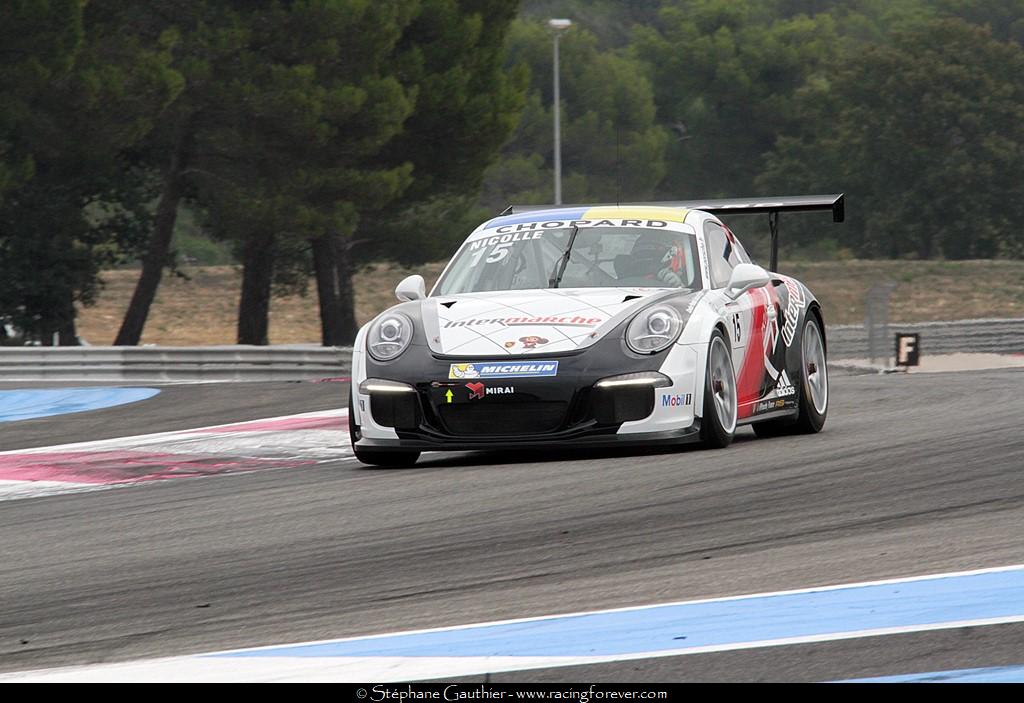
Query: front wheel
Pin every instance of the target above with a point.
(393, 460)
(718, 425)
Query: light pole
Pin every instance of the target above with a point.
(558, 26)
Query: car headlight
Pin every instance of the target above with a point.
(654, 329)
(389, 336)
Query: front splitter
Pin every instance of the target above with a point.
(651, 440)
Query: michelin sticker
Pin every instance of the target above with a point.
(525, 369)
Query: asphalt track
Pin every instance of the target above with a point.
(914, 474)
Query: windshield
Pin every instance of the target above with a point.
(600, 257)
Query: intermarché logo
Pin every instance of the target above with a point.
(544, 320)
(507, 692)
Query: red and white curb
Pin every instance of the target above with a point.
(287, 442)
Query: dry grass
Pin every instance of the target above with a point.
(202, 310)
(925, 290)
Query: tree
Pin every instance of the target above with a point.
(289, 128)
(208, 37)
(329, 102)
(926, 134)
(451, 56)
(73, 116)
(269, 87)
(1005, 18)
(612, 147)
(725, 74)
(611, 21)
(39, 41)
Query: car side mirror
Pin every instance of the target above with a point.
(745, 277)
(411, 288)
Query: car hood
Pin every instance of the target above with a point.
(529, 322)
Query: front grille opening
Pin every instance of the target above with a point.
(520, 418)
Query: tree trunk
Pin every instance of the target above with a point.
(59, 329)
(68, 333)
(331, 262)
(257, 277)
(159, 244)
(326, 288)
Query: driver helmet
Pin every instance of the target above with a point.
(652, 253)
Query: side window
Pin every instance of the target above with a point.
(722, 255)
(740, 255)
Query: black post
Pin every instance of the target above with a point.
(773, 228)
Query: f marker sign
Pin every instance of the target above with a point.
(908, 350)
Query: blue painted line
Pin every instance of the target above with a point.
(32, 404)
(762, 619)
(997, 674)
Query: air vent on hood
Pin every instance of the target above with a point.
(631, 297)
(449, 304)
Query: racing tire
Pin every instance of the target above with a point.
(813, 407)
(389, 460)
(718, 425)
(813, 379)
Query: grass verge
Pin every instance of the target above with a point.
(202, 310)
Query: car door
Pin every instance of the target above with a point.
(751, 319)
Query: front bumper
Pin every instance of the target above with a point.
(441, 413)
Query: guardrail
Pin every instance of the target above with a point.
(150, 364)
(303, 362)
(997, 336)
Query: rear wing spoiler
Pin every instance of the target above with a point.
(774, 206)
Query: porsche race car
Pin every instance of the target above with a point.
(594, 326)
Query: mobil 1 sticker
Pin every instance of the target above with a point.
(499, 369)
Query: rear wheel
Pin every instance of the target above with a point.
(718, 425)
(813, 388)
(814, 380)
(376, 457)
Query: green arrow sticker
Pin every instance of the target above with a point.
(448, 395)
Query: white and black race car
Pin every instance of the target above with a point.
(594, 326)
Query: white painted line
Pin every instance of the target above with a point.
(12, 490)
(144, 439)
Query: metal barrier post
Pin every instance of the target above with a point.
(876, 321)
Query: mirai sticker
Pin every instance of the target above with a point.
(521, 369)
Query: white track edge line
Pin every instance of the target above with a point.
(340, 412)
